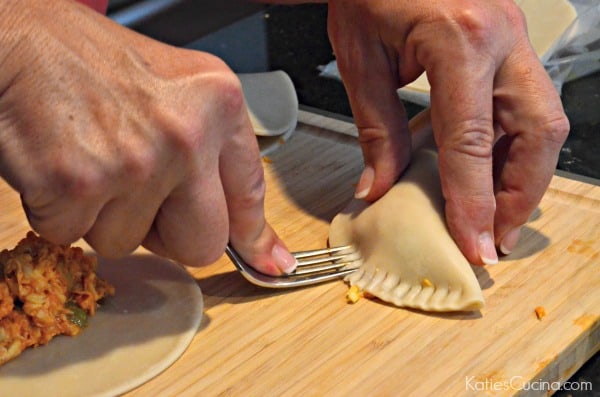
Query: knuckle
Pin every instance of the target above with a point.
(219, 106)
(512, 15)
(475, 140)
(209, 253)
(516, 206)
(63, 181)
(230, 101)
(183, 137)
(253, 194)
(556, 130)
(110, 244)
(205, 60)
(480, 24)
(101, 246)
(83, 186)
(523, 205)
(219, 85)
(108, 247)
(138, 165)
(475, 24)
(470, 205)
(36, 195)
(369, 134)
(56, 231)
(78, 181)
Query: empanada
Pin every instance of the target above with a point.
(408, 257)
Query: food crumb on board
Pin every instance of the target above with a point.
(354, 294)
(426, 283)
(540, 312)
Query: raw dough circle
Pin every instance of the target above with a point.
(272, 107)
(134, 336)
(272, 102)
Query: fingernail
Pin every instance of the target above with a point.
(487, 249)
(509, 242)
(365, 183)
(283, 259)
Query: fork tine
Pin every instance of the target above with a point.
(303, 269)
(310, 270)
(323, 260)
(319, 252)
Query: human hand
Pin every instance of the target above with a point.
(122, 140)
(497, 119)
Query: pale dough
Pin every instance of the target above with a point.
(272, 106)
(408, 258)
(547, 20)
(134, 336)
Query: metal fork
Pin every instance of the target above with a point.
(314, 266)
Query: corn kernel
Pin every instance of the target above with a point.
(426, 283)
(354, 294)
(540, 312)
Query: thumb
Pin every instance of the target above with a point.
(382, 129)
(384, 139)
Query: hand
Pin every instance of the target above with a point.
(487, 86)
(123, 140)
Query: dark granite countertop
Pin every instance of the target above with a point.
(298, 44)
(294, 39)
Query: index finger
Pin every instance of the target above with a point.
(244, 187)
(462, 119)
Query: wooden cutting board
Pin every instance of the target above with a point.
(310, 342)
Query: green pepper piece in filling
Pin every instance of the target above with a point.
(78, 316)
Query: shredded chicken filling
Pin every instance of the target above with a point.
(45, 290)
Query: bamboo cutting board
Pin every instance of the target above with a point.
(310, 342)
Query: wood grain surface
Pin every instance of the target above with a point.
(310, 342)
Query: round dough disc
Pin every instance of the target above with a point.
(134, 336)
(272, 102)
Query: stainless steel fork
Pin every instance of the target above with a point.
(315, 266)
